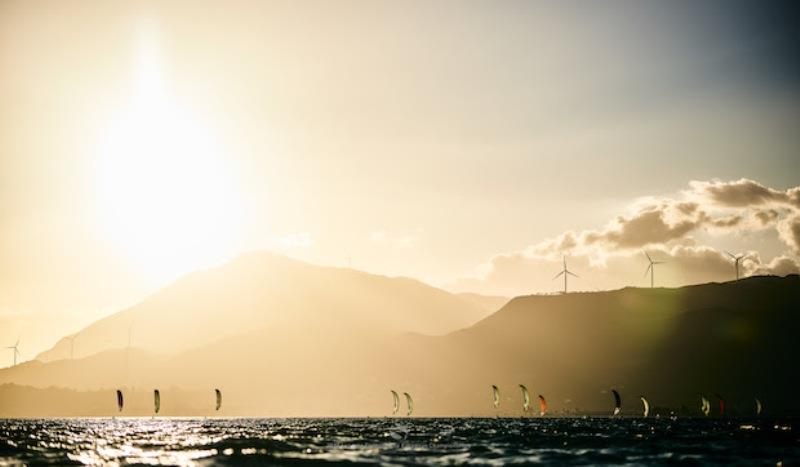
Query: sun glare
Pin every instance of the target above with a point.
(166, 192)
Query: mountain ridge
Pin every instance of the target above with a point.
(260, 289)
(670, 344)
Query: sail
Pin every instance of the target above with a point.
(646, 407)
(120, 400)
(495, 396)
(721, 405)
(410, 403)
(706, 406)
(157, 400)
(759, 407)
(526, 398)
(219, 398)
(396, 401)
(542, 405)
(617, 402)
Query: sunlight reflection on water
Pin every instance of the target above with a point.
(553, 441)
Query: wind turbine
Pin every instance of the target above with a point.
(72, 345)
(651, 268)
(736, 259)
(15, 351)
(566, 272)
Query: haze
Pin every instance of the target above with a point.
(469, 145)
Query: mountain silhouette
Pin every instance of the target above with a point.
(734, 338)
(489, 303)
(261, 289)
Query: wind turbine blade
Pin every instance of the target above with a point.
(557, 275)
(571, 273)
(648, 256)
(648, 269)
(730, 254)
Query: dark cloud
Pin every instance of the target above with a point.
(794, 196)
(727, 222)
(767, 217)
(779, 266)
(659, 223)
(647, 227)
(687, 208)
(789, 231)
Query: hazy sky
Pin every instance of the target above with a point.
(467, 144)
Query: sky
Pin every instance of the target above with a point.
(472, 145)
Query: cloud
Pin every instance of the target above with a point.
(717, 207)
(649, 226)
(727, 222)
(660, 223)
(789, 232)
(745, 193)
(668, 228)
(665, 222)
(779, 266)
(767, 217)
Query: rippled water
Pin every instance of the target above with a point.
(556, 441)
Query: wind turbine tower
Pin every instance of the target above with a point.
(566, 272)
(736, 260)
(15, 352)
(651, 268)
(72, 345)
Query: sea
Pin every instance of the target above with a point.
(400, 441)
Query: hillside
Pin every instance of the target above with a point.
(734, 338)
(490, 303)
(261, 290)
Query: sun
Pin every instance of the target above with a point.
(165, 189)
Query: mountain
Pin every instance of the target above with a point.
(117, 367)
(734, 338)
(261, 290)
(490, 303)
(25, 401)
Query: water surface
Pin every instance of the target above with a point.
(554, 441)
